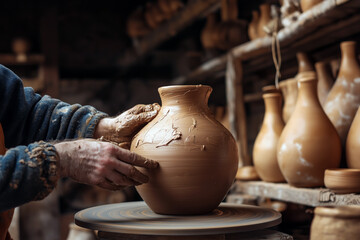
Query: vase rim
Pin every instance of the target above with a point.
(184, 86)
(352, 211)
(271, 95)
(307, 77)
(348, 43)
(342, 172)
(283, 82)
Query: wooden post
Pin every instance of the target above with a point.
(236, 107)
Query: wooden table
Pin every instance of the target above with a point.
(134, 220)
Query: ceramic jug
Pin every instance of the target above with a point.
(353, 143)
(264, 152)
(325, 80)
(334, 223)
(308, 4)
(309, 143)
(289, 91)
(198, 156)
(265, 18)
(343, 99)
(253, 25)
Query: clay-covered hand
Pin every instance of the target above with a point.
(122, 128)
(101, 163)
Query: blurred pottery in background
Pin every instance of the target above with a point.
(304, 64)
(309, 143)
(325, 80)
(343, 99)
(334, 223)
(264, 152)
(197, 155)
(308, 4)
(289, 90)
(207, 35)
(20, 47)
(247, 173)
(265, 18)
(353, 143)
(342, 180)
(253, 25)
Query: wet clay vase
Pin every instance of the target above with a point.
(289, 91)
(309, 143)
(343, 99)
(253, 25)
(264, 152)
(335, 223)
(325, 80)
(198, 156)
(265, 18)
(308, 4)
(352, 147)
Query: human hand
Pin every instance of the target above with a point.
(122, 128)
(101, 163)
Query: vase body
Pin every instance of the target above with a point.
(197, 155)
(334, 223)
(325, 80)
(264, 153)
(253, 25)
(353, 143)
(309, 143)
(307, 4)
(289, 91)
(343, 99)
(265, 18)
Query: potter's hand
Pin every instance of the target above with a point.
(101, 163)
(122, 128)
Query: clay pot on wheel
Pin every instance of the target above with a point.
(309, 143)
(264, 153)
(197, 155)
(334, 223)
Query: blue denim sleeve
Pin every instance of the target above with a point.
(27, 117)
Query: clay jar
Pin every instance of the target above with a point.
(265, 18)
(289, 91)
(308, 4)
(325, 80)
(334, 223)
(309, 143)
(264, 153)
(353, 143)
(197, 155)
(343, 99)
(253, 26)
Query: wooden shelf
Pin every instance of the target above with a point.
(306, 196)
(327, 23)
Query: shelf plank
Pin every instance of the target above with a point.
(306, 196)
(329, 22)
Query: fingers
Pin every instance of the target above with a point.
(126, 174)
(144, 108)
(125, 145)
(135, 159)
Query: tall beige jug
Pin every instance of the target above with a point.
(309, 143)
(253, 25)
(343, 99)
(353, 143)
(325, 80)
(197, 155)
(264, 152)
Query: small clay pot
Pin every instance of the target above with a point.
(334, 223)
(342, 180)
(353, 143)
(308, 4)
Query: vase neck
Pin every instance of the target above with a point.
(308, 91)
(272, 105)
(323, 70)
(304, 63)
(184, 96)
(348, 56)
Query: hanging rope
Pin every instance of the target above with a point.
(276, 53)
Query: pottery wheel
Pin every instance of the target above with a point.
(138, 218)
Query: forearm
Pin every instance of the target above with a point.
(27, 173)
